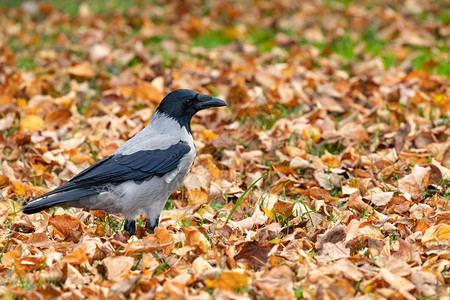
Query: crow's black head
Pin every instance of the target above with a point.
(182, 105)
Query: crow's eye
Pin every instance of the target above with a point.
(189, 101)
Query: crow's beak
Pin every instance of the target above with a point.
(204, 101)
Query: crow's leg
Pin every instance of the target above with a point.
(152, 224)
(130, 227)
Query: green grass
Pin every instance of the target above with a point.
(265, 121)
(212, 39)
(263, 38)
(344, 46)
(71, 7)
(238, 202)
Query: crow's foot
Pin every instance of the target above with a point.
(151, 225)
(130, 227)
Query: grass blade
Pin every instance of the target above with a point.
(242, 196)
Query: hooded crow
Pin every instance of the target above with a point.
(140, 176)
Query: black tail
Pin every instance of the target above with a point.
(38, 205)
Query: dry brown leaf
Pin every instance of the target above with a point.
(414, 182)
(74, 277)
(39, 239)
(81, 70)
(330, 160)
(57, 117)
(76, 257)
(196, 239)
(397, 282)
(147, 91)
(117, 266)
(67, 227)
(380, 199)
(8, 259)
(277, 283)
(5, 100)
(3, 180)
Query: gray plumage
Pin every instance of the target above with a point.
(140, 176)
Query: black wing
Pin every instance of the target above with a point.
(119, 168)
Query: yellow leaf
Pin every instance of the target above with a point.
(18, 187)
(230, 281)
(330, 160)
(214, 170)
(268, 214)
(209, 134)
(438, 233)
(312, 134)
(21, 102)
(38, 169)
(439, 98)
(31, 122)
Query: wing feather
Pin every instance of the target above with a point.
(119, 168)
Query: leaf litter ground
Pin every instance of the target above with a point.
(340, 110)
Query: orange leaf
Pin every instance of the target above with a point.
(197, 197)
(5, 100)
(230, 281)
(195, 238)
(57, 117)
(164, 237)
(8, 259)
(66, 226)
(209, 134)
(146, 90)
(3, 180)
(76, 257)
(312, 134)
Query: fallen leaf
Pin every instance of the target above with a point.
(195, 238)
(414, 182)
(196, 197)
(76, 257)
(117, 266)
(397, 282)
(31, 122)
(230, 281)
(277, 283)
(57, 117)
(74, 277)
(438, 234)
(67, 227)
(18, 187)
(81, 70)
(147, 91)
(380, 199)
